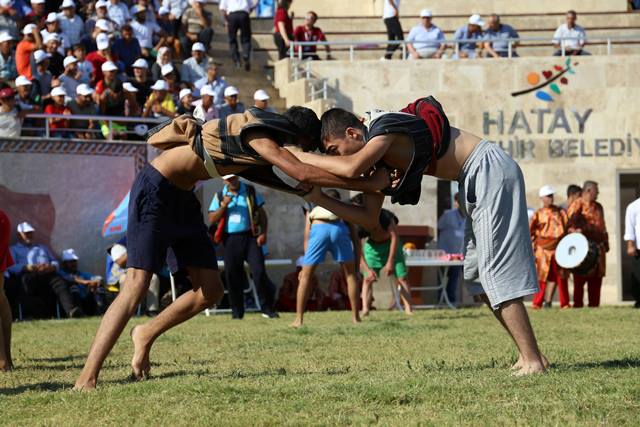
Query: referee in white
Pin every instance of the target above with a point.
(632, 237)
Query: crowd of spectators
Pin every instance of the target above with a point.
(142, 58)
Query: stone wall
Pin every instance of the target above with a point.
(588, 131)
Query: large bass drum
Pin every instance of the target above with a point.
(576, 253)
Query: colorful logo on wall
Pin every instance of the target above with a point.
(550, 79)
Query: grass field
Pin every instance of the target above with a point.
(436, 368)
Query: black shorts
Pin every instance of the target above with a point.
(166, 224)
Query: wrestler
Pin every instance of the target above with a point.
(165, 219)
(417, 141)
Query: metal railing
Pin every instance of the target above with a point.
(318, 88)
(108, 120)
(354, 45)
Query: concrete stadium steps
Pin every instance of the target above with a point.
(451, 23)
(443, 7)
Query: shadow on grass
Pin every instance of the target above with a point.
(626, 363)
(58, 359)
(44, 386)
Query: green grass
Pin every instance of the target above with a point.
(436, 368)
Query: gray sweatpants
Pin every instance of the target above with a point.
(497, 242)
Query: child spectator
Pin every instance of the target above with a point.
(131, 104)
(160, 102)
(84, 67)
(42, 74)
(185, 102)
(58, 128)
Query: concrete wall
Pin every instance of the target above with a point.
(545, 137)
(448, 7)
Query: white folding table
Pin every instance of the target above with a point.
(251, 289)
(443, 270)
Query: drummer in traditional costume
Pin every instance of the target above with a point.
(547, 226)
(586, 216)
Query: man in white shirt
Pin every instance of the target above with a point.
(195, 68)
(69, 80)
(576, 34)
(632, 237)
(390, 17)
(143, 30)
(71, 24)
(118, 12)
(236, 14)
(426, 39)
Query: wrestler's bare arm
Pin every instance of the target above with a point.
(366, 215)
(282, 158)
(352, 165)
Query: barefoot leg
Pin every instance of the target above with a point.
(6, 362)
(516, 320)
(349, 270)
(304, 290)
(405, 295)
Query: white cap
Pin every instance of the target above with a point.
(225, 177)
(52, 17)
(102, 41)
(102, 3)
(140, 63)
(103, 25)
(163, 10)
(426, 13)
(25, 227)
(23, 81)
(230, 91)
(117, 251)
(84, 90)
(5, 37)
(37, 1)
(197, 46)
(69, 255)
(546, 190)
(207, 90)
(67, 3)
(261, 95)
(136, 8)
(28, 29)
(52, 37)
(476, 20)
(109, 66)
(58, 91)
(160, 85)
(184, 92)
(69, 60)
(40, 55)
(129, 87)
(6, 3)
(166, 69)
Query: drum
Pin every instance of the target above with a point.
(576, 253)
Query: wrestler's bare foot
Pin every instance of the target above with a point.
(140, 364)
(520, 363)
(356, 320)
(84, 384)
(296, 324)
(364, 313)
(530, 369)
(6, 366)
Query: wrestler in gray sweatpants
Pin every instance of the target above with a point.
(497, 242)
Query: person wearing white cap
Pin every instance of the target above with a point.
(205, 108)
(231, 105)
(7, 59)
(71, 24)
(197, 26)
(185, 102)
(426, 40)
(98, 57)
(471, 31)
(547, 227)
(261, 100)
(31, 41)
(38, 269)
(58, 126)
(195, 68)
(160, 102)
(141, 80)
(53, 46)
(52, 26)
(110, 99)
(216, 82)
(118, 12)
(69, 79)
(85, 67)
(144, 30)
(84, 286)
(42, 73)
(84, 105)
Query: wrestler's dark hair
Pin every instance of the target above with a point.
(335, 122)
(308, 125)
(573, 189)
